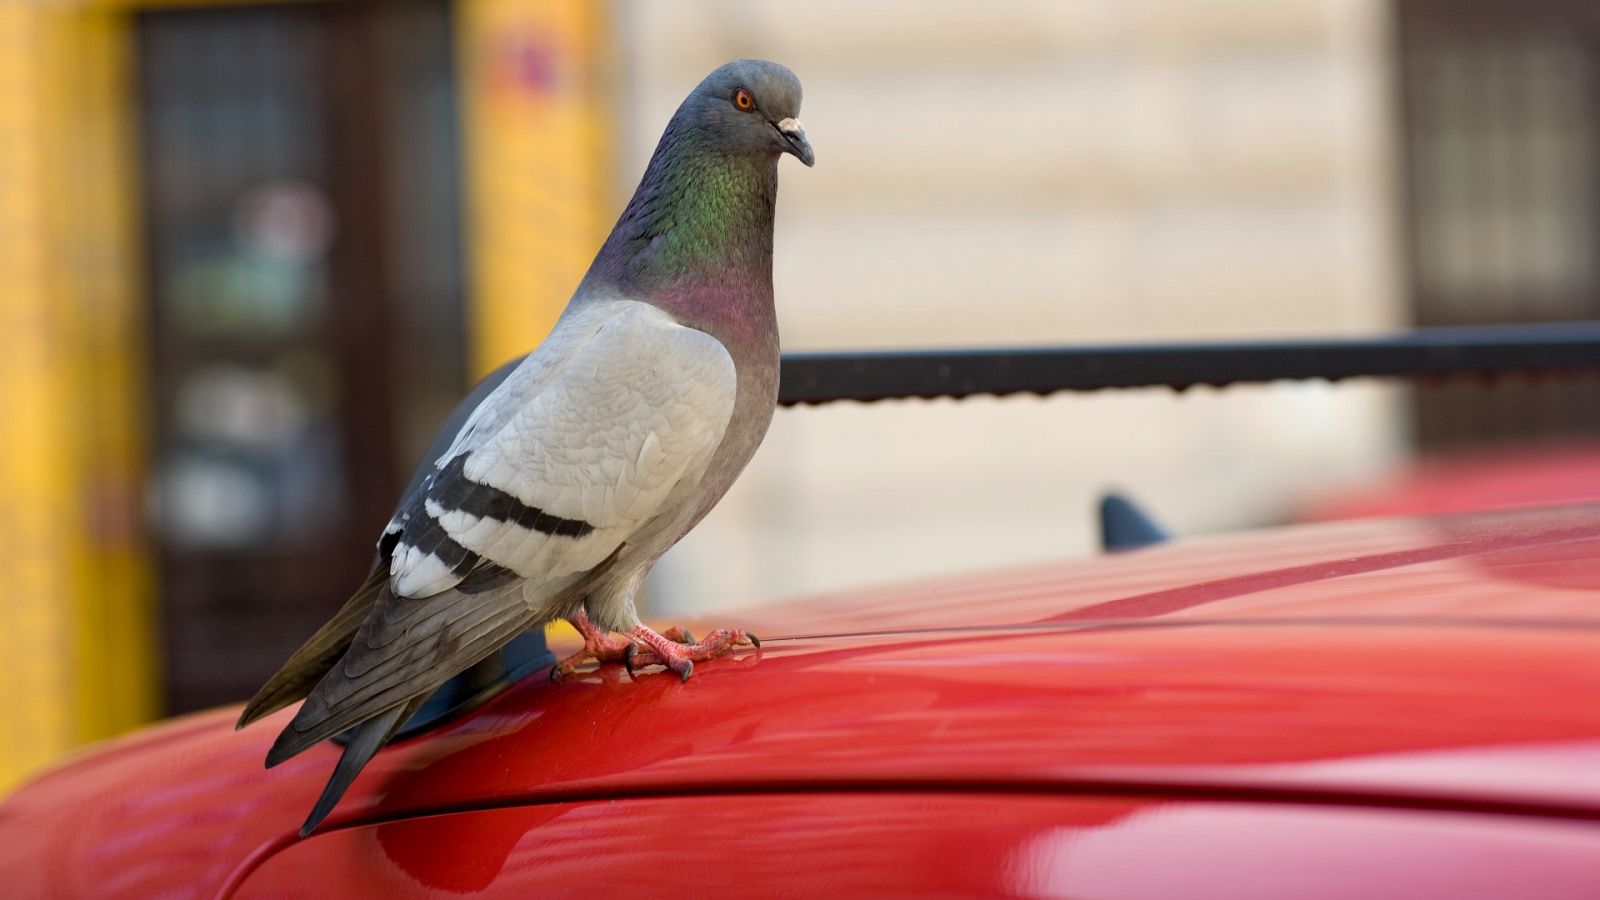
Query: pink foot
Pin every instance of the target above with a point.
(597, 645)
(678, 635)
(662, 650)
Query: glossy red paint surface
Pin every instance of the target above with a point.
(940, 845)
(1504, 479)
(1427, 671)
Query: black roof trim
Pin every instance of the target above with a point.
(866, 376)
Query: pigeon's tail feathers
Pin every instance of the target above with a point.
(366, 740)
(317, 655)
(403, 651)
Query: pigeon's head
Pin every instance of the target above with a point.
(751, 106)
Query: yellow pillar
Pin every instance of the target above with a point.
(75, 627)
(538, 156)
(538, 151)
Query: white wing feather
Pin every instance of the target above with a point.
(610, 423)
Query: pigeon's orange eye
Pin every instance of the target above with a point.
(743, 100)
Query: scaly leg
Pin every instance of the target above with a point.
(674, 648)
(661, 650)
(597, 645)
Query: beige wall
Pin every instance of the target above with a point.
(1044, 172)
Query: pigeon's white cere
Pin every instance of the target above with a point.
(791, 125)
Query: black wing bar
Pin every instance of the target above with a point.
(816, 378)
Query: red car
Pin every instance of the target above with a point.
(1503, 478)
(1404, 708)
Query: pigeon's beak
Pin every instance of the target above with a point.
(794, 139)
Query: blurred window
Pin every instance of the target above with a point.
(1501, 106)
(300, 189)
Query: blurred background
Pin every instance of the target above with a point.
(251, 254)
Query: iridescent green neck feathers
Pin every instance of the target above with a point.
(699, 217)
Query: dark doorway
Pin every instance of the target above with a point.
(1500, 102)
(300, 181)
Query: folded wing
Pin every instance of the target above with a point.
(609, 425)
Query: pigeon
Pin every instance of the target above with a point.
(591, 458)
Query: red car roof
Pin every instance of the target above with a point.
(1432, 664)
(1504, 478)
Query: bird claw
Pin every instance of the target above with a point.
(597, 646)
(661, 650)
(674, 648)
(679, 634)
